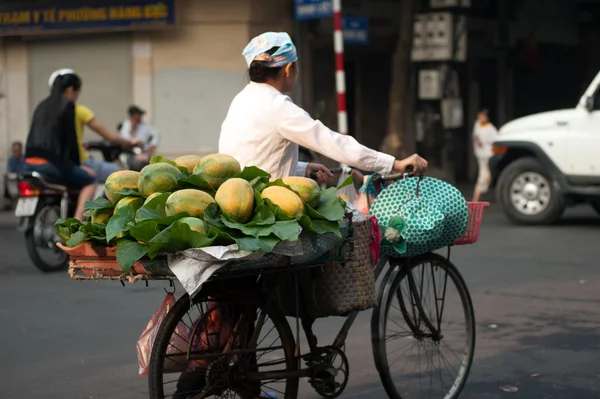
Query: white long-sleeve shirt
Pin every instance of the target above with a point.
(486, 135)
(263, 128)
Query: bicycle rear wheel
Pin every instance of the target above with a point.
(423, 330)
(223, 347)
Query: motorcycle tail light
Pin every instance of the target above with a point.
(27, 190)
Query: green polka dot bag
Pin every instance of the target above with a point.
(418, 215)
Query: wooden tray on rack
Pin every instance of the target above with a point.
(89, 262)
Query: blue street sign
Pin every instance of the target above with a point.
(355, 30)
(313, 9)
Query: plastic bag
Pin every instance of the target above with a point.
(347, 193)
(365, 197)
(211, 330)
(178, 344)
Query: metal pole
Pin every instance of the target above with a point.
(340, 74)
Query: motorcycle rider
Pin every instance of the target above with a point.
(85, 117)
(52, 148)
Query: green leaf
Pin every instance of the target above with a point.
(76, 239)
(144, 231)
(70, 222)
(178, 237)
(252, 244)
(258, 184)
(66, 228)
(97, 230)
(129, 252)
(285, 230)
(155, 210)
(212, 217)
(129, 192)
(326, 226)
(252, 172)
(98, 203)
(119, 222)
(161, 159)
(279, 214)
(329, 208)
(195, 181)
(349, 181)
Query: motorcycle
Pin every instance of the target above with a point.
(41, 202)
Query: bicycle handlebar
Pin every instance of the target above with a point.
(397, 176)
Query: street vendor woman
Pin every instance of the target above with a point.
(264, 128)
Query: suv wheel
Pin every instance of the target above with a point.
(528, 194)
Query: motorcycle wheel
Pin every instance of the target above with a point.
(40, 242)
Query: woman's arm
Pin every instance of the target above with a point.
(108, 136)
(296, 125)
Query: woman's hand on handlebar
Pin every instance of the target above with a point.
(321, 172)
(414, 165)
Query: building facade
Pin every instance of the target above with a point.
(184, 74)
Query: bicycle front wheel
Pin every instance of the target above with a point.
(423, 329)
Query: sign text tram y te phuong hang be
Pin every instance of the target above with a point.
(25, 19)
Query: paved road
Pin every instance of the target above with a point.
(539, 286)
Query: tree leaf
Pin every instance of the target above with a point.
(119, 222)
(178, 237)
(129, 252)
(144, 231)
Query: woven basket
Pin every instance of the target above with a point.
(335, 289)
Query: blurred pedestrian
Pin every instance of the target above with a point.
(484, 135)
(15, 164)
(85, 117)
(135, 128)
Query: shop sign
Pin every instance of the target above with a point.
(24, 19)
(313, 9)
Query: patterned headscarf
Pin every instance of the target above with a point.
(257, 49)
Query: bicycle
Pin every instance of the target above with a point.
(219, 352)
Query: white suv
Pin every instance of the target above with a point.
(548, 161)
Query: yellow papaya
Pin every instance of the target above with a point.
(216, 168)
(189, 200)
(235, 197)
(188, 161)
(158, 178)
(118, 181)
(306, 188)
(289, 202)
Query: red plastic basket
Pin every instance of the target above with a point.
(471, 235)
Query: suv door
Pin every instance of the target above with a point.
(583, 144)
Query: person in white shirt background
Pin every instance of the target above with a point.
(484, 135)
(135, 128)
(263, 127)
